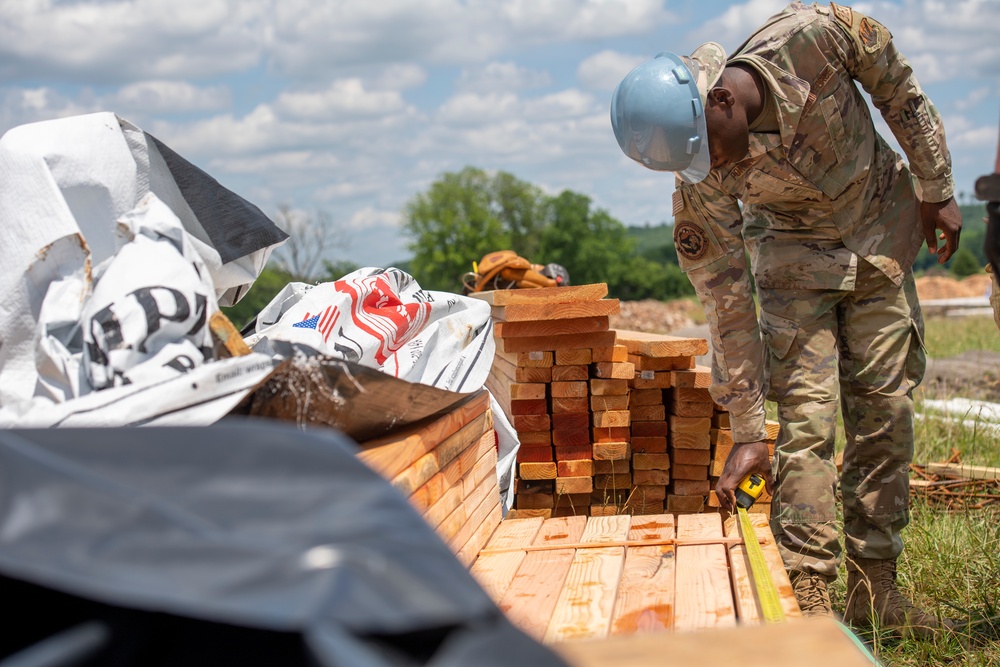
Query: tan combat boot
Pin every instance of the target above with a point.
(872, 597)
(811, 593)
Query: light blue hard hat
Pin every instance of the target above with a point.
(658, 112)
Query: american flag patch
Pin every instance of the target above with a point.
(323, 322)
(678, 202)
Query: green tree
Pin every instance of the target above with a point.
(964, 263)
(464, 216)
(593, 246)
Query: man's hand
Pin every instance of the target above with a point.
(744, 459)
(945, 216)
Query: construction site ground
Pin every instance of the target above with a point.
(974, 374)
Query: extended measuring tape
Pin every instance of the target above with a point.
(767, 593)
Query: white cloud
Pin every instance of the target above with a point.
(123, 40)
(371, 218)
(735, 24)
(306, 35)
(473, 109)
(169, 97)
(501, 77)
(344, 98)
(584, 20)
(400, 76)
(603, 70)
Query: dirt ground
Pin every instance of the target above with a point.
(946, 287)
(974, 374)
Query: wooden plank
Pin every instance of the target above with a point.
(569, 390)
(527, 514)
(644, 363)
(392, 454)
(612, 434)
(571, 485)
(580, 405)
(482, 501)
(649, 429)
(574, 356)
(418, 474)
(704, 596)
(818, 642)
(685, 504)
(661, 345)
(575, 468)
(557, 311)
(612, 370)
(535, 501)
(534, 406)
(608, 387)
(550, 327)
(568, 293)
(577, 373)
(610, 418)
(651, 380)
(537, 470)
(559, 342)
(649, 444)
(451, 474)
(586, 603)
(535, 589)
(646, 593)
(648, 413)
(495, 572)
(611, 451)
(613, 466)
(535, 358)
(470, 551)
(618, 353)
(699, 377)
(963, 471)
(643, 461)
(604, 403)
(772, 557)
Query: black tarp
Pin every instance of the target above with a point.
(246, 543)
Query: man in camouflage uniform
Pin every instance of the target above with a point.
(831, 220)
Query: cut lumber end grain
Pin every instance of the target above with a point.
(611, 451)
(699, 377)
(661, 345)
(566, 294)
(572, 485)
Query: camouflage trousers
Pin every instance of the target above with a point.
(861, 351)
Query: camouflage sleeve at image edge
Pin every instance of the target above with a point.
(707, 235)
(885, 74)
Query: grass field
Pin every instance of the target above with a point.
(951, 560)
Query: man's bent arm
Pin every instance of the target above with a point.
(708, 237)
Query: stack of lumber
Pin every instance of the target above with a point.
(446, 467)
(722, 445)
(691, 409)
(593, 577)
(656, 357)
(551, 342)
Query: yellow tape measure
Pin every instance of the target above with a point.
(767, 592)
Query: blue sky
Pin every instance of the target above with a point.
(352, 108)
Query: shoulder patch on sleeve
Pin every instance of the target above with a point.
(678, 202)
(843, 14)
(690, 241)
(872, 34)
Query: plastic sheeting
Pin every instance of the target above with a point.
(247, 542)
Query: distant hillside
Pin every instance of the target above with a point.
(655, 242)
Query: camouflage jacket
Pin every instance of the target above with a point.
(816, 196)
